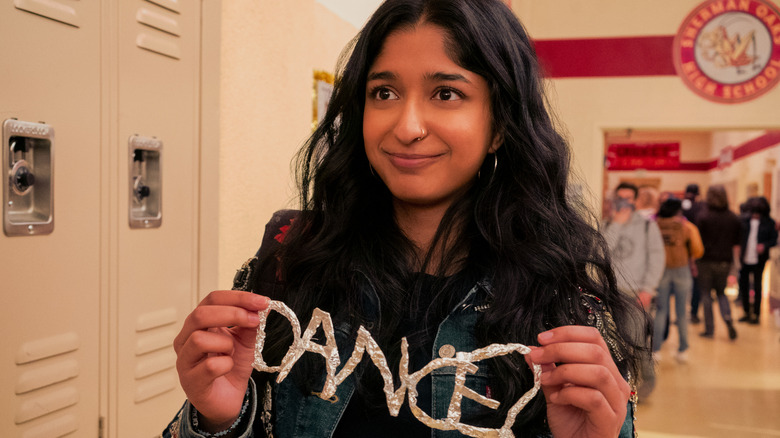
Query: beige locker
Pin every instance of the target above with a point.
(50, 283)
(158, 58)
(91, 308)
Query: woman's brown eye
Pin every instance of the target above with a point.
(445, 94)
(384, 94)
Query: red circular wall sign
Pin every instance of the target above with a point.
(728, 51)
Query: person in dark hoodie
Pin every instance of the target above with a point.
(691, 204)
(758, 235)
(720, 230)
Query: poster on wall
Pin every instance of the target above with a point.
(729, 51)
(648, 156)
(323, 88)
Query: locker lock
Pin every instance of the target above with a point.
(22, 178)
(145, 206)
(27, 154)
(141, 190)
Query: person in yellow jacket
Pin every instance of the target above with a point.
(683, 245)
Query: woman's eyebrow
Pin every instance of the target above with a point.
(446, 77)
(381, 75)
(435, 77)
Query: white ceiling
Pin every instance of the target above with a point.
(356, 12)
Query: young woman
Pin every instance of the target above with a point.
(682, 245)
(434, 208)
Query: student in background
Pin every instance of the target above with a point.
(683, 245)
(637, 251)
(758, 235)
(691, 206)
(720, 231)
(635, 245)
(647, 202)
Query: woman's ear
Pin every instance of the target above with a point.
(498, 140)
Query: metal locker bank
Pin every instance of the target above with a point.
(102, 110)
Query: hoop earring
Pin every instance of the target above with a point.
(495, 167)
(371, 169)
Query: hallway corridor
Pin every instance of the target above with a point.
(727, 389)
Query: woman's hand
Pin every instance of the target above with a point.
(586, 394)
(215, 351)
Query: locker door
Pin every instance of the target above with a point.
(158, 100)
(50, 283)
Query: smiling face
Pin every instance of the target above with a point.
(427, 124)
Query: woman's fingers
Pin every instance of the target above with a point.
(591, 377)
(210, 368)
(214, 352)
(528, 360)
(575, 352)
(247, 300)
(574, 344)
(210, 317)
(202, 343)
(222, 309)
(578, 370)
(587, 399)
(572, 333)
(600, 414)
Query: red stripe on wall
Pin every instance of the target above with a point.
(765, 141)
(595, 57)
(698, 166)
(768, 140)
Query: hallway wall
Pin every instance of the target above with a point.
(588, 106)
(269, 53)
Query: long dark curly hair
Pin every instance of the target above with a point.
(520, 225)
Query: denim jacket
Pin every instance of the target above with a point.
(287, 412)
(307, 415)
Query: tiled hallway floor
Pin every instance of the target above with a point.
(727, 388)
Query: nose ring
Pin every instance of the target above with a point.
(422, 134)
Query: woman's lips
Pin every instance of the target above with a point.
(412, 161)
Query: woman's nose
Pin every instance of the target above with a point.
(410, 126)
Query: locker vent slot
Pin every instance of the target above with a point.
(155, 386)
(46, 385)
(52, 9)
(172, 5)
(39, 405)
(47, 347)
(156, 319)
(161, 33)
(155, 372)
(44, 376)
(154, 341)
(55, 428)
(155, 363)
(158, 21)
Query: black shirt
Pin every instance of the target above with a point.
(367, 414)
(719, 231)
